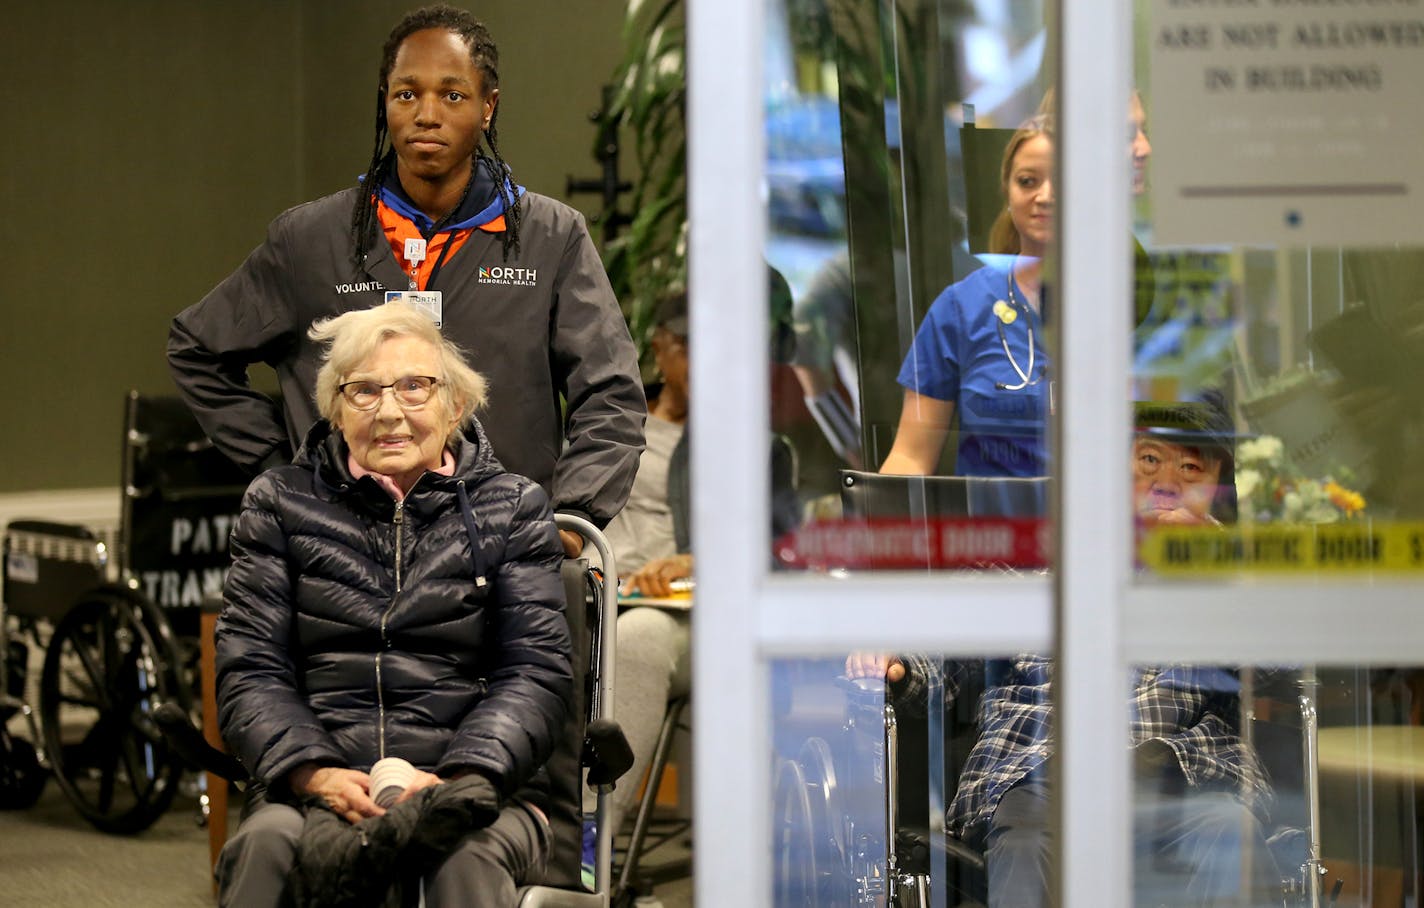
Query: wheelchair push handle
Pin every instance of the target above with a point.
(608, 749)
(602, 707)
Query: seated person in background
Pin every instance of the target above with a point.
(1182, 464)
(1200, 792)
(653, 643)
(659, 572)
(652, 541)
(393, 593)
(1201, 795)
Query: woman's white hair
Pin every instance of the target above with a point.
(352, 337)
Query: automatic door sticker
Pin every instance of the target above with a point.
(1349, 548)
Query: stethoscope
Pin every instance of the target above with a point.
(1007, 314)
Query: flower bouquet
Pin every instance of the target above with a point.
(1270, 489)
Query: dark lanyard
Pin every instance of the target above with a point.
(450, 235)
(440, 260)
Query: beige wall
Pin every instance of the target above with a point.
(148, 144)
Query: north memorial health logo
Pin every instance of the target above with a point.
(515, 277)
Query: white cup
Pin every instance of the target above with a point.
(390, 777)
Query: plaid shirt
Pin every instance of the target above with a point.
(1190, 710)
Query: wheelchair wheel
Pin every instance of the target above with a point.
(829, 819)
(796, 878)
(22, 779)
(111, 662)
(810, 865)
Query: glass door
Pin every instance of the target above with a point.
(812, 560)
(919, 459)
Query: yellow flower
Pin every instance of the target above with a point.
(1350, 502)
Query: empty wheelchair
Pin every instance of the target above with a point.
(117, 629)
(838, 838)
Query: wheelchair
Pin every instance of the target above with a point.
(117, 624)
(844, 833)
(842, 830)
(838, 836)
(591, 739)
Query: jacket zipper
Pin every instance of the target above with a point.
(399, 521)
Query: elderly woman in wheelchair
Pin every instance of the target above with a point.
(393, 593)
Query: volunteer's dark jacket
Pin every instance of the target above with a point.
(541, 325)
(354, 627)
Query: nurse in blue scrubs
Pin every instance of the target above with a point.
(981, 348)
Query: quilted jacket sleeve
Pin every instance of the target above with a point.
(511, 731)
(244, 320)
(264, 718)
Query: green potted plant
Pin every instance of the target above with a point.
(649, 258)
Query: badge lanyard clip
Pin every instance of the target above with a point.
(415, 254)
(429, 302)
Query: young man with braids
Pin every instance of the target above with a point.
(511, 276)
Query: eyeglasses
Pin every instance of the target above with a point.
(410, 392)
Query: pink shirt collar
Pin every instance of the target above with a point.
(446, 468)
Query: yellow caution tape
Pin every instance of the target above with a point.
(1354, 547)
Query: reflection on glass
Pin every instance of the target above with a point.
(1319, 420)
(1197, 782)
(831, 805)
(1259, 786)
(1312, 351)
(920, 347)
(979, 353)
(1183, 475)
(1311, 782)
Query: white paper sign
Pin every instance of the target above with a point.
(22, 567)
(1288, 122)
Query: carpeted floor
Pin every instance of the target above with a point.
(51, 858)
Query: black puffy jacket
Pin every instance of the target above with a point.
(355, 627)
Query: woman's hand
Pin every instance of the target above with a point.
(420, 780)
(874, 665)
(655, 578)
(346, 791)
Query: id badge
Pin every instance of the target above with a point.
(427, 301)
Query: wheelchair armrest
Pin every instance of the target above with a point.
(912, 850)
(606, 752)
(190, 744)
(552, 897)
(963, 853)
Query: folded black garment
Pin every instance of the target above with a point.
(370, 864)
